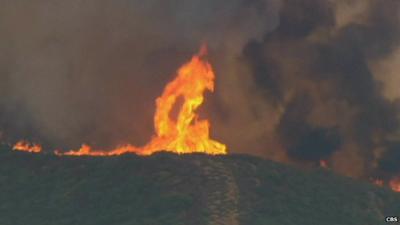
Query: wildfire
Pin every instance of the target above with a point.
(186, 134)
(395, 184)
(27, 147)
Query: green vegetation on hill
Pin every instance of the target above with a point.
(167, 189)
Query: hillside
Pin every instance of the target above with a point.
(167, 189)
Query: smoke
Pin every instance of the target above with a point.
(297, 80)
(90, 71)
(302, 140)
(323, 65)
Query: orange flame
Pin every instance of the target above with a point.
(27, 147)
(186, 134)
(395, 184)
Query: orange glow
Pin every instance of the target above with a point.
(378, 182)
(395, 184)
(323, 164)
(27, 147)
(186, 134)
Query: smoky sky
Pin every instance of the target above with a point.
(90, 71)
(318, 66)
(297, 80)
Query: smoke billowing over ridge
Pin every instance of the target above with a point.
(318, 66)
(297, 80)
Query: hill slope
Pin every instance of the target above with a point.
(168, 189)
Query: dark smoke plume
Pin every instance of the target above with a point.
(318, 65)
(301, 139)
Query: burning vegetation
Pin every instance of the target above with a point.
(184, 134)
(308, 82)
(395, 184)
(27, 147)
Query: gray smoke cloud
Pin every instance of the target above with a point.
(297, 80)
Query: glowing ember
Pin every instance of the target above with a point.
(378, 182)
(27, 147)
(323, 164)
(186, 134)
(395, 184)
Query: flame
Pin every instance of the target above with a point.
(395, 184)
(186, 134)
(27, 147)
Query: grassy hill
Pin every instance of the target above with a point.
(167, 189)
